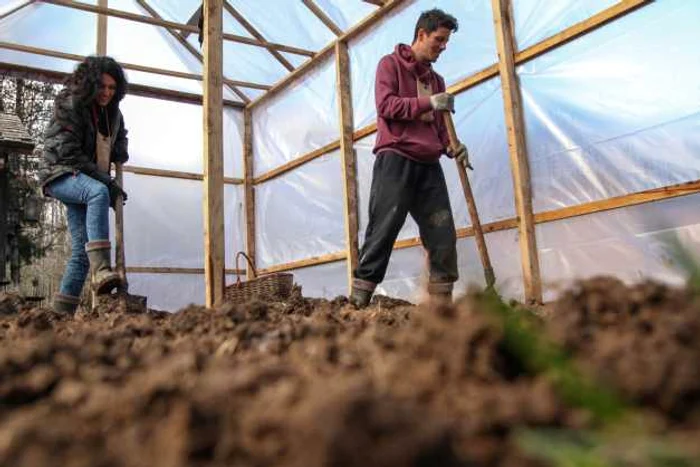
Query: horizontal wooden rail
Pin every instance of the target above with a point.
(632, 199)
(315, 154)
(58, 77)
(126, 66)
(174, 25)
(175, 174)
(169, 270)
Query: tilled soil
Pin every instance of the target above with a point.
(309, 382)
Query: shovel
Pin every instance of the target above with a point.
(471, 205)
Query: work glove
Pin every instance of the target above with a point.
(443, 101)
(115, 191)
(461, 155)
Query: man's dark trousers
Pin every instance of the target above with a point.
(401, 186)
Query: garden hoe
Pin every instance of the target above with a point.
(471, 205)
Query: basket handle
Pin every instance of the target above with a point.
(250, 263)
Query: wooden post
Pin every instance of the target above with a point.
(102, 29)
(515, 126)
(347, 154)
(213, 153)
(249, 196)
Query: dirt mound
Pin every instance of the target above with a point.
(642, 339)
(311, 382)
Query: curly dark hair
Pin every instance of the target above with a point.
(84, 84)
(432, 20)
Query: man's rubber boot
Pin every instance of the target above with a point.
(440, 292)
(65, 304)
(101, 274)
(361, 293)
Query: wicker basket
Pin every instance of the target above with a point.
(268, 287)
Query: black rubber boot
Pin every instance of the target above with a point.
(361, 293)
(440, 292)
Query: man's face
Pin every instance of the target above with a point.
(431, 45)
(108, 86)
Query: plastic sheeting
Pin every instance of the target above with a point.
(300, 214)
(470, 49)
(406, 276)
(180, 147)
(43, 25)
(536, 20)
(616, 111)
(301, 119)
(164, 223)
(143, 44)
(325, 280)
(480, 124)
(632, 244)
(345, 14)
(168, 292)
(163, 134)
(285, 22)
(171, 292)
(233, 143)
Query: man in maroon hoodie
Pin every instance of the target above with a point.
(407, 176)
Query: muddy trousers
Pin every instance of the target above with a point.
(401, 186)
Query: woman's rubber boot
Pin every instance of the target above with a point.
(65, 304)
(104, 280)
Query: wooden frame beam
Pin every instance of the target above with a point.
(189, 47)
(519, 162)
(175, 174)
(375, 2)
(347, 156)
(293, 164)
(16, 9)
(174, 270)
(610, 204)
(323, 17)
(214, 249)
(581, 28)
(126, 66)
(58, 77)
(174, 25)
(256, 34)
(249, 190)
(359, 28)
(101, 30)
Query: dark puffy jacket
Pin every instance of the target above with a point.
(69, 144)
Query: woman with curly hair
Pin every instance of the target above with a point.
(86, 134)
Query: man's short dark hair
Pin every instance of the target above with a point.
(431, 20)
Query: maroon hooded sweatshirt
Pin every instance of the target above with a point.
(399, 108)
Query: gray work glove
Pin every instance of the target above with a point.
(114, 191)
(443, 101)
(461, 155)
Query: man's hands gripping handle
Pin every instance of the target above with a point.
(457, 150)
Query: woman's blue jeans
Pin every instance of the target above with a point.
(87, 201)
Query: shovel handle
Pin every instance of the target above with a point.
(120, 261)
(471, 205)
